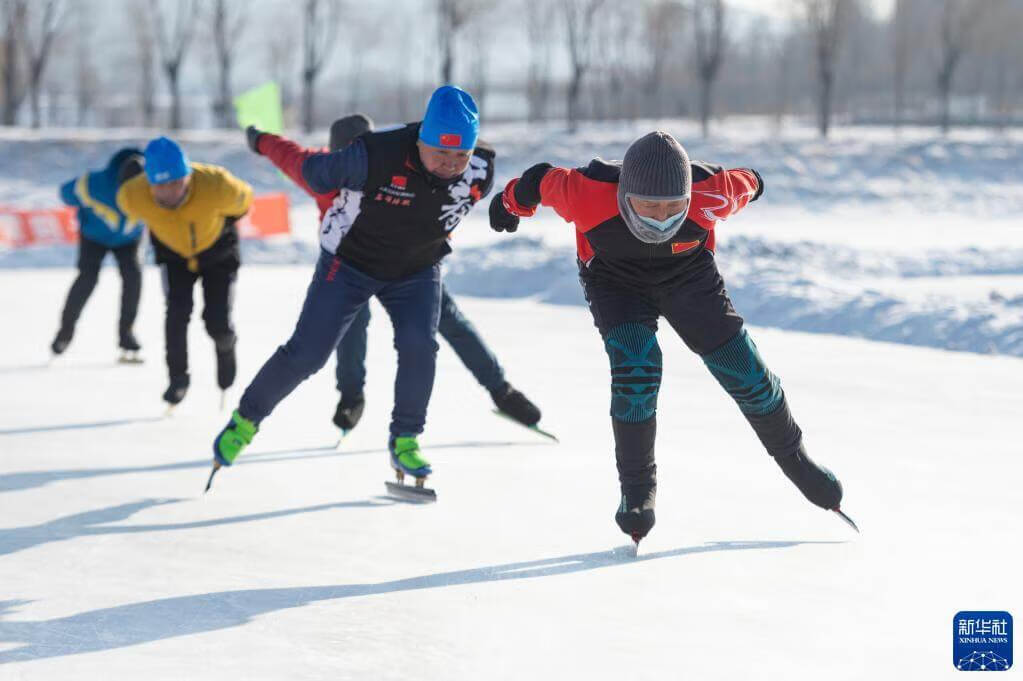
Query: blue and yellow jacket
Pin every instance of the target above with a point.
(94, 194)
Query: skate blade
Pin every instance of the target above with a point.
(209, 480)
(130, 358)
(536, 429)
(223, 399)
(341, 438)
(169, 411)
(418, 495)
(847, 519)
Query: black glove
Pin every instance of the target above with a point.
(500, 219)
(760, 189)
(252, 134)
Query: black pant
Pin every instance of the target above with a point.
(90, 257)
(218, 298)
(698, 308)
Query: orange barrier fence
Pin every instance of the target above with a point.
(47, 226)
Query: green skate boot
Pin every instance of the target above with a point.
(235, 436)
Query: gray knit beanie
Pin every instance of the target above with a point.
(346, 129)
(655, 167)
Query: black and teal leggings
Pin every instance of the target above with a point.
(698, 309)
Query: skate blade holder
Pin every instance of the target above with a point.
(130, 357)
(419, 493)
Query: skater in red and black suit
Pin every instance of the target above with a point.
(645, 239)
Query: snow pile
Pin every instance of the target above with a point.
(910, 239)
(937, 299)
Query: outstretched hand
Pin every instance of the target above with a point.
(252, 134)
(500, 219)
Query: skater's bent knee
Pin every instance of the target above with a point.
(635, 371)
(304, 360)
(741, 371)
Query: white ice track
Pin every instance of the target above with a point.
(112, 566)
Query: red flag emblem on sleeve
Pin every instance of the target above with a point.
(450, 139)
(399, 181)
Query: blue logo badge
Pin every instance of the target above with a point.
(982, 641)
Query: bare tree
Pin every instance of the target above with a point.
(280, 56)
(827, 22)
(319, 35)
(579, 16)
(86, 81)
(38, 28)
(479, 66)
(708, 17)
(14, 12)
(619, 35)
(902, 36)
(227, 22)
(958, 21)
(785, 60)
(141, 29)
(540, 26)
(174, 41)
(663, 21)
(452, 16)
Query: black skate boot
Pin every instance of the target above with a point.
(818, 484)
(636, 512)
(227, 367)
(130, 348)
(515, 405)
(177, 390)
(60, 343)
(128, 342)
(348, 413)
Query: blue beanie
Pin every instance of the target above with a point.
(452, 120)
(165, 161)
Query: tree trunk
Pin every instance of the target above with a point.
(824, 120)
(706, 90)
(448, 63)
(37, 118)
(944, 95)
(12, 96)
(308, 101)
(223, 107)
(175, 89)
(574, 90)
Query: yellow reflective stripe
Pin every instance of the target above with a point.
(103, 211)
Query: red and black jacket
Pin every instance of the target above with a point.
(588, 197)
(288, 157)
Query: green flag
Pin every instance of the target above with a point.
(261, 107)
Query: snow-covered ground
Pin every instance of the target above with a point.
(910, 238)
(114, 566)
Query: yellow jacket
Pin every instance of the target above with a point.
(214, 195)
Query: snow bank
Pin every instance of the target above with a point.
(910, 239)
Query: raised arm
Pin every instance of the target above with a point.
(575, 196)
(719, 193)
(287, 156)
(345, 169)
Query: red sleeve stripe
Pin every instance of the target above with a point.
(722, 195)
(511, 205)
